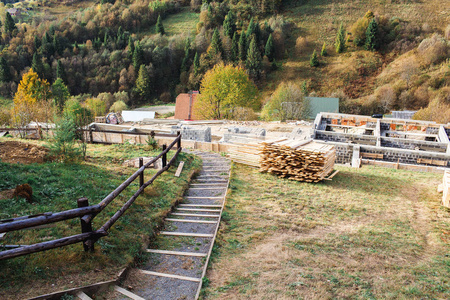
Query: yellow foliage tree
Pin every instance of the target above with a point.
(32, 101)
(223, 89)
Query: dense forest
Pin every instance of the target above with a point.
(121, 48)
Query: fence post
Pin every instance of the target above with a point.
(141, 176)
(90, 135)
(164, 157)
(179, 140)
(85, 227)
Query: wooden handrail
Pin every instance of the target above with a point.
(86, 214)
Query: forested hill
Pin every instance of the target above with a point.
(392, 54)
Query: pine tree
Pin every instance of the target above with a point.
(185, 62)
(160, 26)
(196, 63)
(5, 74)
(106, 39)
(130, 47)
(251, 29)
(60, 93)
(324, 52)
(138, 56)
(340, 39)
(234, 53)
(253, 62)
(243, 47)
(10, 25)
(143, 84)
(56, 44)
(372, 36)
(314, 60)
(229, 24)
(37, 42)
(37, 65)
(60, 72)
(216, 45)
(304, 88)
(269, 50)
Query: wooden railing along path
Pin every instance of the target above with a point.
(85, 212)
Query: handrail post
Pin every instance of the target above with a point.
(164, 157)
(90, 135)
(141, 176)
(179, 139)
(85, 226)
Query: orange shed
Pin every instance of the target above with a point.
(184, 106)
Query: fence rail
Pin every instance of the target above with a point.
(86, 212)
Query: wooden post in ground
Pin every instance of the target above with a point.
(179, 141)
(85, 226)
(164, 157)
(141, 176)
(91, 135)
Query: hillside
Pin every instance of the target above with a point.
(99, 47)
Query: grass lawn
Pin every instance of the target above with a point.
(56, 187)
(184, 21)
(370, 233)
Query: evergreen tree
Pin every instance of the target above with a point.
(216, 45)
(5, 74)
(251, 29)
(57, 44)
(143, 84)
(314, 60)
(196, 63)
(130, 47)
(47, 45)
(229, 24)
(340, 39)
(106, 39)
(97, 44)
(253, 62)
(304, 88)
(60, 72)
(37, 42)
(185, 62)
(372, 36)
(10, 25)
(138, 56)
(269, 50)
(60, 93)
(324, 52)
(37, 65)
(234, 53)
(160, 26)
(243, 47)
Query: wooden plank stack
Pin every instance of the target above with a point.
(297, 160)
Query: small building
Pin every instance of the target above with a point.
(184, 106)
(14, 11)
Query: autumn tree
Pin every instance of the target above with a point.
(32, 100)
(224, 88)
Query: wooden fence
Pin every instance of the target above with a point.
(85, 212)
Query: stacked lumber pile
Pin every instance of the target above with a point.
(298, 160)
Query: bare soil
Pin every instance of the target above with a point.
(24, 153)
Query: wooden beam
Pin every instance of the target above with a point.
(179, 169)
(200, 205)
(195, 215)
(197, 198)
(83, 296)
(191, 221)
(197, 209)
(171, 276)
(176, 253)
(174, 233)
(127, 293)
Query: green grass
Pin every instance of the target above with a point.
(369, 233)
(183, 22)
(56, 187)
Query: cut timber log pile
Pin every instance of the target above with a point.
(297, 160)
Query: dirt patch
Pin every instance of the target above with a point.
(24, 153)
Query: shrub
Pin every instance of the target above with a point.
(244, 114)
(97, 106)
(433, 50)
(118, 106)
(64, 143)
(301, 44)
(287, 102)
(437, 111)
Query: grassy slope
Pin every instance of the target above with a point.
(56, 187)
(184, 21)
(318, 22)
(370, 233)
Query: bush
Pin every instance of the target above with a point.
(286, 103)
(437, 111)
(301, 44)
(244, 114)
(5, 117)
(97, 106)
(118, 106)
(433, 50)
(64, 144)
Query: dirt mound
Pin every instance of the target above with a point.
(17, 152)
